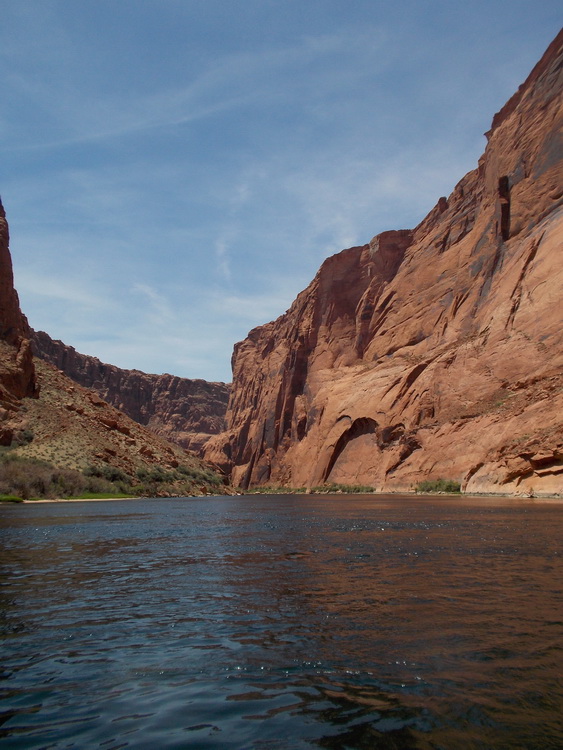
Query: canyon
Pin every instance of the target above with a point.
(186, 412)
(427, 353)
(47, 418)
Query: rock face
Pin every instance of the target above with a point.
(17, 373)
(13, 324)
(431, 353)
(184, 411)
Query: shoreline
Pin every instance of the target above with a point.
(75, 500)
(492, 496)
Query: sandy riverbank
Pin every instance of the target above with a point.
(107, 499)
(537, 500)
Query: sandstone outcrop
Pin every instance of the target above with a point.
(431, 353)
(185, 411)
(13, 324)
(17, 372)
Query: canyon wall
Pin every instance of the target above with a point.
(431, 353)
(186, 412)
(17, 372)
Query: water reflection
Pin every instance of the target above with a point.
(282, 622)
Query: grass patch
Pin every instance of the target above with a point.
(10, 499)
(438, 485)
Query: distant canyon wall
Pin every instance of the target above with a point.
(431, 353)
(184, 411)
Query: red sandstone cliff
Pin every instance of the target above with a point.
(187, 412)
(17, 373)
(13, 324)
(429, 353)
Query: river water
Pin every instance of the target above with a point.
(281, 622)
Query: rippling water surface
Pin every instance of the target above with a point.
(282, 622)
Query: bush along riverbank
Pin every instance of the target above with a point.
(322, 489)
(30, 478)
(425, 487)
(438, 486)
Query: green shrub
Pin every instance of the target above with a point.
(30, 477)
(438, 485)
(105, 471)
(332, 487)
(10, 499)
(201, 475)
(22, 437)
(27, 478)
(157, 475)
(321, 489)
(66, 482)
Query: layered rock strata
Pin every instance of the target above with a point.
(431, 353)
(184, 411)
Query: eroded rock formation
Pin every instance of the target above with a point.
(17, 373)
(184, 411)
(429, 353)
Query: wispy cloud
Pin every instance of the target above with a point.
(158, 311)
(56, 290)
(230, 230)
(177, 180)
(226, 82)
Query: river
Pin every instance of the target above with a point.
(282, 622)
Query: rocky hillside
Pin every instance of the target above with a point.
(431, 353)
(187, 412)
(72, 427)
(44, 415)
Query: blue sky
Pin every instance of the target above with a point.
(175, 171)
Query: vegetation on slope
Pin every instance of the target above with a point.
(68, 442)
(29, 478)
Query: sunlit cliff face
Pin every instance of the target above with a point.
(425, 354)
